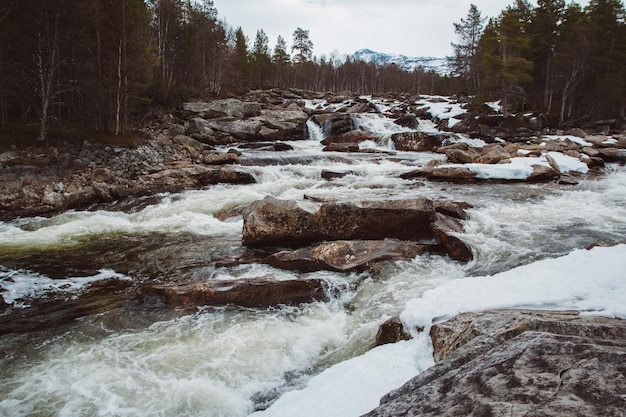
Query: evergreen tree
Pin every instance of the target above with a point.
(464, 62)
(544, 33)
(281, 61)
(302, 46)
(261, 59)
(608, 39)
(239, 61)
(504, 48)
(572, 58)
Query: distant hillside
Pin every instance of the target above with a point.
(439, 65)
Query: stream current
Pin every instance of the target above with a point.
(118, 357)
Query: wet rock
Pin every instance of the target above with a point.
(331, 175)
(452, 208)
(334, 124)
(542, 173)
(444, 228)
(507, 362)
(391, 331)
(417, 141)
(408, 120)
(273, 222)
(345, 255)
(352, 137)
(341, 147)
(256, 292)
(232, 176)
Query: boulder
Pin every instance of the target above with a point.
(245, 130)
(354, 136)
(459, 156)
(345, 255)
(444, 228)
(220, 108)
(416, 141)
(408, 120)
(331, 175)
(282, 124)
(334, 124)
(273, 222)
(255, 292)
(200, 129)
(341, 147)
(613, 154)
(452, 208)
(542, 173)
(227, 175)
(219, 158)
(518, 363)
(451, 173)
(493, 154)
(391, 331)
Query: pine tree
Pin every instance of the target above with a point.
(544, 32)
(464, 61)
(302, 46)
(572, 57)
(261, 60)
(504, 49)
(281, 61)
(608, 39)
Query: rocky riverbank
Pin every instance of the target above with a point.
(188, 147)
(324, 231)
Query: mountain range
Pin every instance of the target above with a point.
(439, 65)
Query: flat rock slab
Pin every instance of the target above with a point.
(257, 292)
(273, 222)
(345, 255)
(519, 363)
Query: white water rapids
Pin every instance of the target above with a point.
(130, 360)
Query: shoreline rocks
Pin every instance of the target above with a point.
(518, 362)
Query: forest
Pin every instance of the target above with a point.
(98, 64)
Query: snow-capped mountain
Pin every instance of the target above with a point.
(439, 65)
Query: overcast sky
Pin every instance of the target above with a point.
(407, 27)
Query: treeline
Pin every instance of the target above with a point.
(564, 60)
(92, 63)
(95, 63)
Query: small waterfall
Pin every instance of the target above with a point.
(315, 131)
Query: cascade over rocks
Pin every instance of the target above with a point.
(518, 363)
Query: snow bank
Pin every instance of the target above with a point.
(590, 281)
(520, 168)
(575, 139)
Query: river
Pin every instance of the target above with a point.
(109, 354)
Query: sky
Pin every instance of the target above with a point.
(408, 27)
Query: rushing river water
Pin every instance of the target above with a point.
(120, 357)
